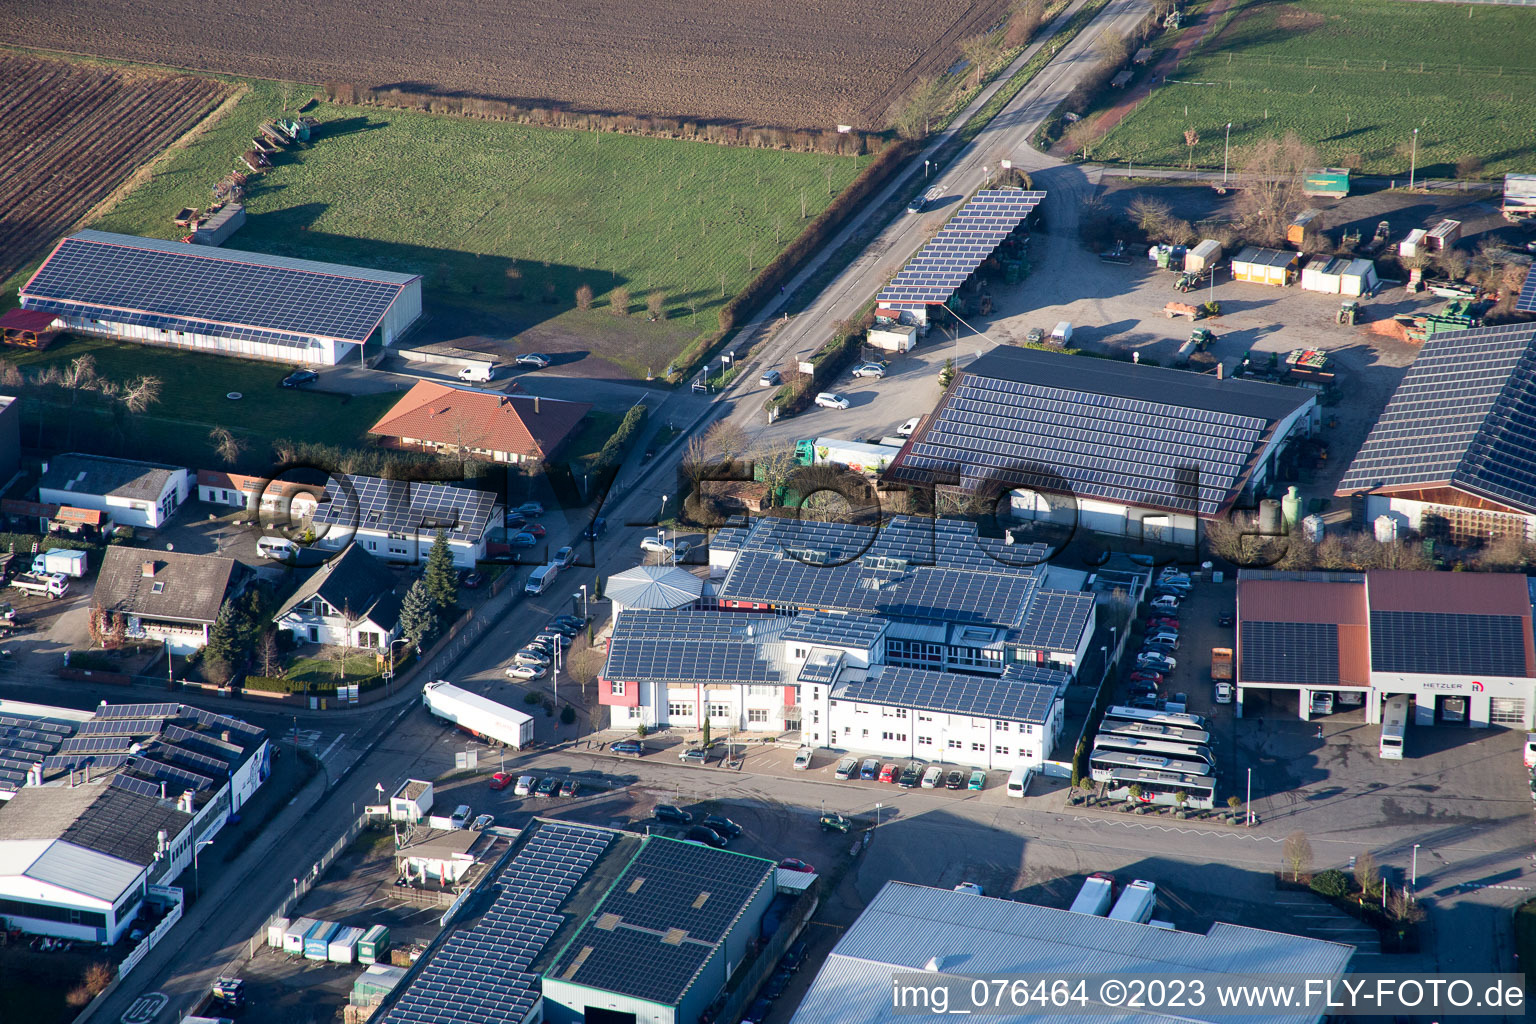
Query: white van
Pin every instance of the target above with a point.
(276, 547)
(1018, 781)
(541, 578)
(1530, 750)
(478, 372)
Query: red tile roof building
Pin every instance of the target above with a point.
(487, 424)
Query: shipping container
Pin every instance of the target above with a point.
(317, 944)
(373, 945)
(1443, 235)
(1330, 181)
(1202, 257)
(293, 937)
(275, 932)
(217, 229)
(1411, 245)
(342, 948)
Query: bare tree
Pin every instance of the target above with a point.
(979, 52)
(1191, 140)
(1298, 854)
(1403, 908)
(227, 445)
(268, 654)
(727, 438)
(1023, 22)
(584, 297)
(140, 393)
(1367, 874)
(1271, 173)
(774, 465)
(1080, 138)
(514, 282)
(656, 304)
(618, 301)
(1151, 215)
(914, 113)
(1113, 50)
(696, 462)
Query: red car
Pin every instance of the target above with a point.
(501, 780)
(1147, 676)
(889, 772)
(535, 529)
(1161, 622)
(789, 863)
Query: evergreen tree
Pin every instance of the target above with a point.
(225, 636)
(418, 618)
(946, 373)
(441, 578)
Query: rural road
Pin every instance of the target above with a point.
(1006, 137)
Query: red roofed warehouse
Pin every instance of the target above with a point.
(487, 424)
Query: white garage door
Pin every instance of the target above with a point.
(1507, 711)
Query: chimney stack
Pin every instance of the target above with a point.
(224, 735)
(146, 569)
(535, 405)
(1221, 371)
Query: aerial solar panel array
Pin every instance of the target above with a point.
(964, 244)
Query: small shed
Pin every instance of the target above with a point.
(28, 328)
(1443, 235)
(1359, 278)
(411, 802)
(1202, 257)
(893, 337)
(1412, 245)
(1265, 266)
(378, 981)
(1330, 181)
(1306, 220)
(1323, 274)
(217, 229)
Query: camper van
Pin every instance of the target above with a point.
(477, 373)
(1394, 727)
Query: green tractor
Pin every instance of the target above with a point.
(1202, 338)
(1349, 313)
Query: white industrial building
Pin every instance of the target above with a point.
(1132, 451)
(207, 299)
(942, 937)
(142, 494)
(1457, 644)
(1449, 457)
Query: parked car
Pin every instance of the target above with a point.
(514, 523)
(770, 379)
(522, 540)
(483, 822)
(694, 755)
(1224, 620)
(869, 769)
(627, 747)
(1165, 603)
(869, 370)
(970, 887)
(834, 822)
(931, 777)
(758, 1011)
(802, 759)
(1146, 675)
(777, 984)
(955, 780)
(1161, 622)
(791, 864)
(565, 556)
(1147, 702)
(889, 772)
(595, 529)
(1164, 638)
(725, 826)
(794, 957)
(529, 656)
(531, 509)
(535, 529)
(1160, 662)
(555, 637)
(576, 622)
(298, 377)
(537, 360)
(549, 787)
(672, 815)
(908, 426)
(565, 629)
(1178, 703)
(909, 777)
(501, 780)
(1224, 693)
(831, 400)
(525, 785)
(977, 780)
(701, 834)
(672, 549)
(471, 580)
(846, 768)
(570, 787)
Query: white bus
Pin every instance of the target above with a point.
(1153, 731)
(1162, 787)
(1102, 764)
(1167, 748)
(1129, 714)
(1394, 727)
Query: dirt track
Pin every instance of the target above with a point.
(72, 133)
(806, 63)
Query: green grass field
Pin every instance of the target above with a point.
(463, 202)
(1346, 76)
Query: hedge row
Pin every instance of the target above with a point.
(271, 684)
(21, 543)
(828, 361)
(612, 452)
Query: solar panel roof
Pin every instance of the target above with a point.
(211, 290)
(662, 920)
(1464, 415)
(1526, 303)
(689, 661)
(1054, 620)
(1138, 435)
(965, 242)
(405, 507)
(1303, 653)
(1445, 644)
(818, 627)
(1009, 699)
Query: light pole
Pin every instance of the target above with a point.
(1413, 159)
(1226, 151)
(197, 877)
(877, 815)
(925, 169)
(1414, 873)
(584, 614)
(389, 673)
(1248, 800)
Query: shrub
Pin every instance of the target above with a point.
(612, 452)
(618, 301)
(567, 715)
(584, 297)
(531, 698)
(1331, 883)
(92, 661)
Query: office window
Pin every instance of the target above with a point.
(953, 744)
(681, 709)
(1001, 750)
(979, 748)
(719, 711)
(897, 737)
(1002, 726)
(925, 741)
(618, 687)
(757, 715)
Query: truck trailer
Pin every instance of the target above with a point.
(858, 456)
(62, 561)
(477, 715)
(1136, 903)
(317, 943)
(1096, 895)
(374, 945)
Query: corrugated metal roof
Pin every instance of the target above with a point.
(906, 926)
(84, 871)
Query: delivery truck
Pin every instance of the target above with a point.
(1096, 895)
(52, 586)
(60, 561)
(477, 715)
(1136, 903)
(858, 456)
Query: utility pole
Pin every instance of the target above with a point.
(1226, 150)
(1413, 160)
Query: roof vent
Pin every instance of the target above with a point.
(935, 963)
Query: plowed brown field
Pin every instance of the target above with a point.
(789, 63)
(69, 133)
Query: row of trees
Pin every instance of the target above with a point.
(1368, 886)
(81, 379)
(620, 302)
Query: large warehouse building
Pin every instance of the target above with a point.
(1450, 454)
(1112, 447)
(1457, 644)
(245, 304)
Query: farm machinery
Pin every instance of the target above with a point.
(1380, 239)
(1457, 315)
(1115, 254)
(1200, 339)
(256, 160)
(1188, 281)
(1309, 364)
(1349, 313)
(1177, 309)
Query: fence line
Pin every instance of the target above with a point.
(1410, 67)
(309, 881)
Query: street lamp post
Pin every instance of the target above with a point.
(584, 602)
(926, 168)
(1248, 800)
(1226, 151)
(1413, 159)
(877, 815)
(1414, 873)
(389, 672)
(197, 877)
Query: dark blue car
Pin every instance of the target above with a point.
(869, 769)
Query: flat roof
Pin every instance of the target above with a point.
(1011, 699)
(128, 278)
(906, 927)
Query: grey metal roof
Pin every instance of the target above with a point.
(96, 474)
(692, 647)
(88, 872)
(1054, 620)
(211, 290)
(1304, 653)
(1463, 415)
(1097, 428)
(907, 926)
(653, 586)
(183, 587)
(354, 582)
(405, 507)
(480, 974)
(1447, 644)
(1010, 700)
(836, 628)
(662, 920)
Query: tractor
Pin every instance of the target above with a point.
(1349, 313)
